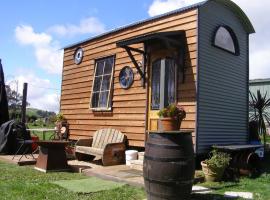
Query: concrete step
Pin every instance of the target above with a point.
(141, 155)
(136, 164)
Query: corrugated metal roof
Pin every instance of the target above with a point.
(231, 5)
(265, 80)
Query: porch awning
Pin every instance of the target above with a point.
(173, 37)
(169, 39)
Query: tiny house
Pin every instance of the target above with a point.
(196, 56)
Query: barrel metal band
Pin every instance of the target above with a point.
(176, 147)
(166, 159)
(171, 182)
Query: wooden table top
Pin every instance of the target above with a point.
(238, 147)
(41, 129)
(52, 143)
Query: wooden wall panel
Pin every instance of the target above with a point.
(129, 106)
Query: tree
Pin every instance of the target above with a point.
(260, 106)
(14, 102)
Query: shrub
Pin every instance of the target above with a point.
(218, 159)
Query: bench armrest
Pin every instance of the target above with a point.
(115, 146)
(114, 154)
(84, 142)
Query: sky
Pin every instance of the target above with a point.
(34, 32)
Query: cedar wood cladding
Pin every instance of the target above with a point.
(129, 106)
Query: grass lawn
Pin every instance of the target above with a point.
(48, 134)
(23, 183)
(258, 186)
(26, 183)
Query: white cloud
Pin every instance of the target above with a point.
(26, 36)
(47, 51)
(259, 42)
(260, 64)
(40, 93)
(89, 25)
(163, 6)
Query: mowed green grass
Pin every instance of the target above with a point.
(48, 135)
(23, 183)
(260, 186)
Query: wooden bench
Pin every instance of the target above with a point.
(109, 144)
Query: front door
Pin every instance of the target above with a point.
(162, 85)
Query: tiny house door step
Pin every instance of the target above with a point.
(137, 164)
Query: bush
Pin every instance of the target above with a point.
(218, 159)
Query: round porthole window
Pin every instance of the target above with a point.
(126, 77)
(78, 56)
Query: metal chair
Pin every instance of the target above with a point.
(24, 143)
(25, 147)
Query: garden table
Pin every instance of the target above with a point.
(52, 156)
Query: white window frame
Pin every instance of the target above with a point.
(109, 100)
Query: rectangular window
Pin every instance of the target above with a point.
(101, 97)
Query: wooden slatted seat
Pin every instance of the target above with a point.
(107, 143)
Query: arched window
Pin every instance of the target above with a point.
(225, 39)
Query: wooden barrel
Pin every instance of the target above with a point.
(168, 167)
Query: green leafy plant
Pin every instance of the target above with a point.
(218, 159)
(259, 106)
(173, 111)
(60, 117)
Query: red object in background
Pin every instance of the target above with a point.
(34, 145)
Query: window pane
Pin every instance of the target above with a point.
(97, 84)
(106, 82)
(169, 93)
(95, 98)
(155, 94)
(108, 66)
(103, 99)
(223, 39)
(100, 66)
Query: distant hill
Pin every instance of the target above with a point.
(38, 113)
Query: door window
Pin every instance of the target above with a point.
(163, 91)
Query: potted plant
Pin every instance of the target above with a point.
(60, 121)
(70, 151)
(213, 168)
(60, 118)
(171, 117)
